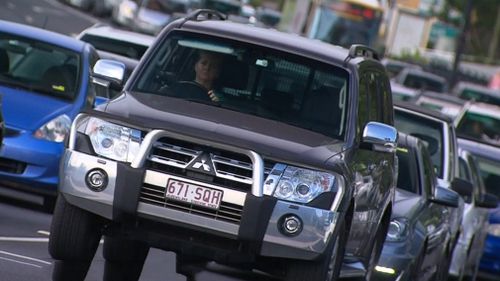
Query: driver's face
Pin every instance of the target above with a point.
(207, 67)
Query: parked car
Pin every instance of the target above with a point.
(402, 93)
(448, 105)
(147, 16)
(40, 68)
(125, 43)
(394, 67)
(488, 158)
(294, 158)
(421, 80)
(419, 237)
(469, 248)
(487, 153)
(438, 132)
(478, 93)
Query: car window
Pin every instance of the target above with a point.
(463, 170)
(429, 131)
(385, 92)
(407, 179)
(429, 177)
(40, 67)
(490, 174)
(259, 81)
(479, 188)
(120, 47)
(480, 127)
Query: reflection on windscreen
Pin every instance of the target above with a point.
(490, 174)
(38, 67)
(480, 127)
(423, 83)
(257, 81)
(119, 47)
(471, 94)
(429, 132)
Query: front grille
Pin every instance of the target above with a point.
(155, 195)
(232, 170)
(12, 166)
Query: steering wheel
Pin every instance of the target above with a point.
(191, 90)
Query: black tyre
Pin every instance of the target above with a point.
(327, 268)
(74, 237)
(376, 252)
(417, 265)
(124, 258)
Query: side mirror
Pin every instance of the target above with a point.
(464, 188)
(446, 197)
(487, 200)
(380, 136)
(108, 74)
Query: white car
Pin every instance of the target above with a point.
(116, 41)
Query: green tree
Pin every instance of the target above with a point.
(483, 19)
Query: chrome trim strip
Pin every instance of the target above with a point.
(73, 130)
(153, 136)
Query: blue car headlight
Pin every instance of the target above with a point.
(494, 229)
(113, 141)
(398, 230)
(302, 185)
(55, 130)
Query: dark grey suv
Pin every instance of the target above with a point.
(281, 162)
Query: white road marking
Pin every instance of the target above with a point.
(25, 257)
(43, 232)
(16, 261)
(24, 239)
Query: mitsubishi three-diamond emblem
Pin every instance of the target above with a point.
(202, 164)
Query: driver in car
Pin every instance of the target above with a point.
(207, 70)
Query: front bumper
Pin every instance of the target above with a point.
(122, 201)
(30, 164)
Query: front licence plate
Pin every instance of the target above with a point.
(194, 194)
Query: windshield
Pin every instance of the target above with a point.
(424, 83)
(250, 79)
(342, 23)
(479, 127)
(476, 95)
(490, 174)
(39, 67)
(429, 132)
(122, 48)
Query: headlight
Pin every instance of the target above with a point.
(302, 185)
(55, 130)
(113, 141)
(494, 229)
(397, 230)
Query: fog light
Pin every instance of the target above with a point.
(96, 180)
(291, 225)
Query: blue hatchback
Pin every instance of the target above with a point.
(44, 83)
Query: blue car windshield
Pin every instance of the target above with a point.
(38, 67)
(253, 80)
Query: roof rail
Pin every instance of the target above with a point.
(359, 50)
(204, 14)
